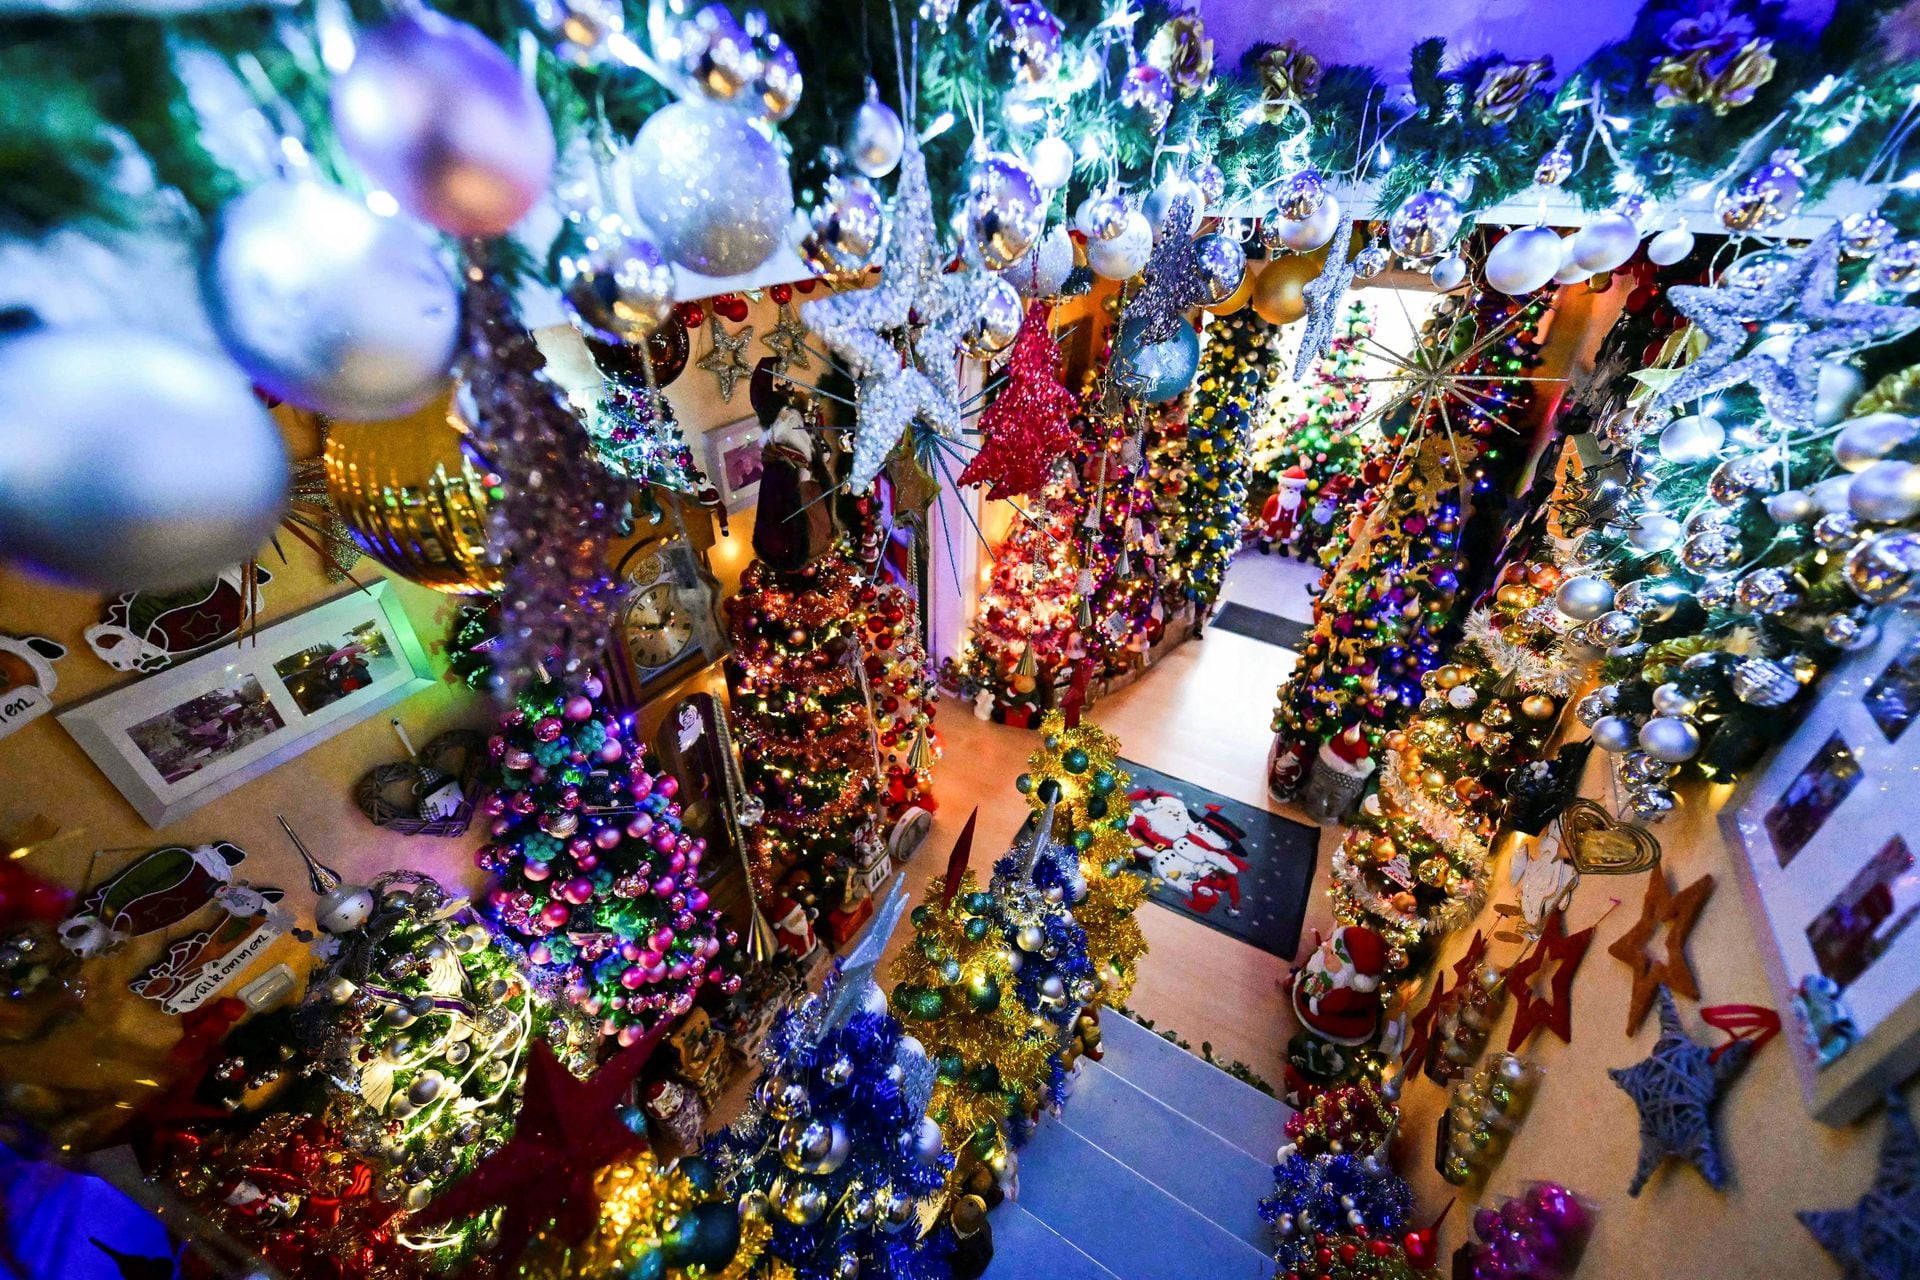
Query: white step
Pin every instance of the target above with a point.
(1025, 1248)
(1228, 1108)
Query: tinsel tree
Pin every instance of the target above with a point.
(1025, 431)
(801, 720)
(1390, 604)
(550, 527)
(595, 876)
(899, 683)
(1226, 389)
(418, 1027)
(672, 1221)
(636, 436)
(1330, 436)
(1340, 1213)
(836, 1152)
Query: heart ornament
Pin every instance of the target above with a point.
(1600, 845)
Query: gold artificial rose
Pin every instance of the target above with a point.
(1505, 86)
(1182, 50)
(1288, 75)
(1694, 81)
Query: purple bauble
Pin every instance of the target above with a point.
(640, 825)
(434, 112)
(577, 708)
(607, 837)
(611, 750)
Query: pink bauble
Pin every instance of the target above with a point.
(629, 1036)
(607, 837)
(494, 805)
(497, 746)
(678, 902)
(658, 973)
(697, 899)
(660, 939)
(630, 952)
(711, 946)
(664, 886)
(536, 775)
(682, 1003)
(633, 977)
(638, 828)
(547, 728)
(644, 870)
(577, 890)
(697, 965)
(536, 871)
(592, 687)
(677, 970)
(576, 757)
(588, 861)
(700, 845)
(611, 750)
(663, 839)
(610, 1027)
(668, 785)
(579, 845)
(522, 803)
(554, 915)
(592, 1004)
(577, 708)
(569, 797)
(677, 863)
(730, 984)
(642, 781)
(539, 953)
(500, 898)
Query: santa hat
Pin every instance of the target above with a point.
(1294, 472)
(1217, 823)
(1368, 951)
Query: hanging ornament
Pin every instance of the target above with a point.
(1175, 187)
(1277, 296)
(1555, 167)
(1676, 1089)
(1605, 243)
(1148, 93)
(997, 324)
(1525, 259)
(727, 362)
(1032, 35)
(1425, 225)
(616, 286)
(436, 114)
(843, 229)
(1449, 273)
(1865, 440)
(1584, 599)
(1156, 372)
(1570, 272)
(1862, 235)
(787, 339)
(1670, 739)
(130, 460)
(1174, 279)
(1887, 492)
(1212, 184)
(1692, 439)
(1886, 567)
(329, 305)
(710, 186)
(778, 83)
(709, 54)
(1123, 256)
(1103, 216)
(1670, 246)
(578, 30)
(1005, 208)
(1371, 261)
(1897, 270)
(1050, 160)
(1766, 197)
(1323, 296)
(1026, 429)
(1300, 196)
(1043, 272)
(1222, 265)
(1304, 235)
(875, 136)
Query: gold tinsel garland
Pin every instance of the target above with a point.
(1114, 940)
(1049, 762)
(642, 1204)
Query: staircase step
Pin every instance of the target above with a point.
(1025, 1248)
(1121, 1219)
(1202, 1170)
(1212, 1099)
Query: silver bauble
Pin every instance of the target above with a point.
(1654, 532)
(1449, 273)
(787, 1099)
(1613, 733)
(1669, 739)
(1757, 270)
(1864, 441)
(1555, 166)
(1102, 216)
(1649, 599)
(1006, 209)
(814, 1146)
(344, 908)
(1148, 93)
(1222, 265)
(1670, 246)
(925, 1142)
(800, 1203)
(1897, 270)
(1762, 682)
(710, 186)
(1839, 386)
(1764, 198)
(131, 460)
(1850, 631)
(1768, 592)
(1044, 270)
(1030, 937)
(1052, 989)
(1300, 195)
(897, 1209)
(1032, 35)
(1524, 260)
(1590, 709)
(844, 228)
(712, 54)
(1719, 519)
(996, 324)
(778, 84)
(1123, 256)
(1643, 769)
(578, 30)
(1838, 531)
(1652, 804)
(1583, 598)
(1737, 479)
(1425, 225)
(1887, 492)
(1605, 243)
(1673, 700)
(1612, 629)
(1792, 506)
(435, 113)
(617, 287)
(875, 136)
(1884, 568)
(1830, 495)
(1371, 261)
(1051, 162)
(1570, 272)
(1304, 235)
(1159, 202)
(1711, 551)
(325, 303)
(1864, 234)
(1717, 593)
(1211, 182)
(1691, 439)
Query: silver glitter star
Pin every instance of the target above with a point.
(847, 992)
(727, 362)
(1323, 294)
(1172, 278)
(788, 340)
(866, 329)
(1800, 296)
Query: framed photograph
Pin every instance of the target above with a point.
(175, 740)
(1827, 857)
(733, 462)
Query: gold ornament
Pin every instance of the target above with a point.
(1278, 296)
(1537, 706)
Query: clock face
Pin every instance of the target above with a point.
(659, 627)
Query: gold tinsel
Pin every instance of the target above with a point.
(1114, 941)
(1048, 761)
(641, 1202)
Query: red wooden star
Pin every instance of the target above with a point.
(568, 1132)
(1555, 1013)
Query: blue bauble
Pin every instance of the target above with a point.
(1156, 371)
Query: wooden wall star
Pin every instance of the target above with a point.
(1678, 912)
(1555, 1010)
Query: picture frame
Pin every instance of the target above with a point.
(1829, 862)
(183, 736)
(733, 463)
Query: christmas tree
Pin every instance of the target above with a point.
(1119, 570)
(1226, 390)
(836, 1151)
(900, 684)
(801, 721)
(635, 435)
(1026, 427)
(595, 875)
(672, 1221)
(1329, 437)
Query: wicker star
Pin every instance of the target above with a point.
(1675, 1088)
(1879, 1238)
(867, 328)
(1678, 912)
(1555, 1011)
(1172, 283)
(727, 362)
(1323, 294)
(788, 341)
(1802, 296)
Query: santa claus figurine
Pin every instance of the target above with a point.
(1336, 993)
(1280, 517)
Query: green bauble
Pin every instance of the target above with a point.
(699, 1171)
(978, 903)
(1083, 840)
(1096, 807)
(1076, 760)
(708, 1237)
(1050, 790)
(949, 1064)
(977, 928)
(920, 915)
(648, 1264)
(986, 1136)
(985, 1078)
(1023, 783)
(983, 994)
(1103, 783)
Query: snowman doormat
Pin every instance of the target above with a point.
(1242, 870)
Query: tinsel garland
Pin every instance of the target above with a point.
(1442, 822)
(1331, 1195)
(1115, 942)
(654, 1219)
(1529, 668)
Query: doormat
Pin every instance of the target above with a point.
(1235, 868)
(1261, 625)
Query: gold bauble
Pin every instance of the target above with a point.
(1239, 297)
(1448, 677)
(412, 499)
(1277, 296)
(1516, 596)
(1536, 706)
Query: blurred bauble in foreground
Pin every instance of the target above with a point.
(130, 460)
(1155, 371)
(711, 187)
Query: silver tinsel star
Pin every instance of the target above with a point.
(868, 328)
(1675, 1087)
(1879, 1238)
(1323, 294)
(727, 362)
(788, 340)
(853, 984)
(1172, 282)
(1800, 296)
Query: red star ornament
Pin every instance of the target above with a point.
(1420, 1042)
(1677, 912)
(568, 1132)
(1025, 430)
(1554, 1011)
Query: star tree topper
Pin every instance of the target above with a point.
(1800, 297)
(1675, 1088)
(869, 328)
(1323, 294)
(1879, 1238)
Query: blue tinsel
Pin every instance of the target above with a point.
(1311, 1190)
